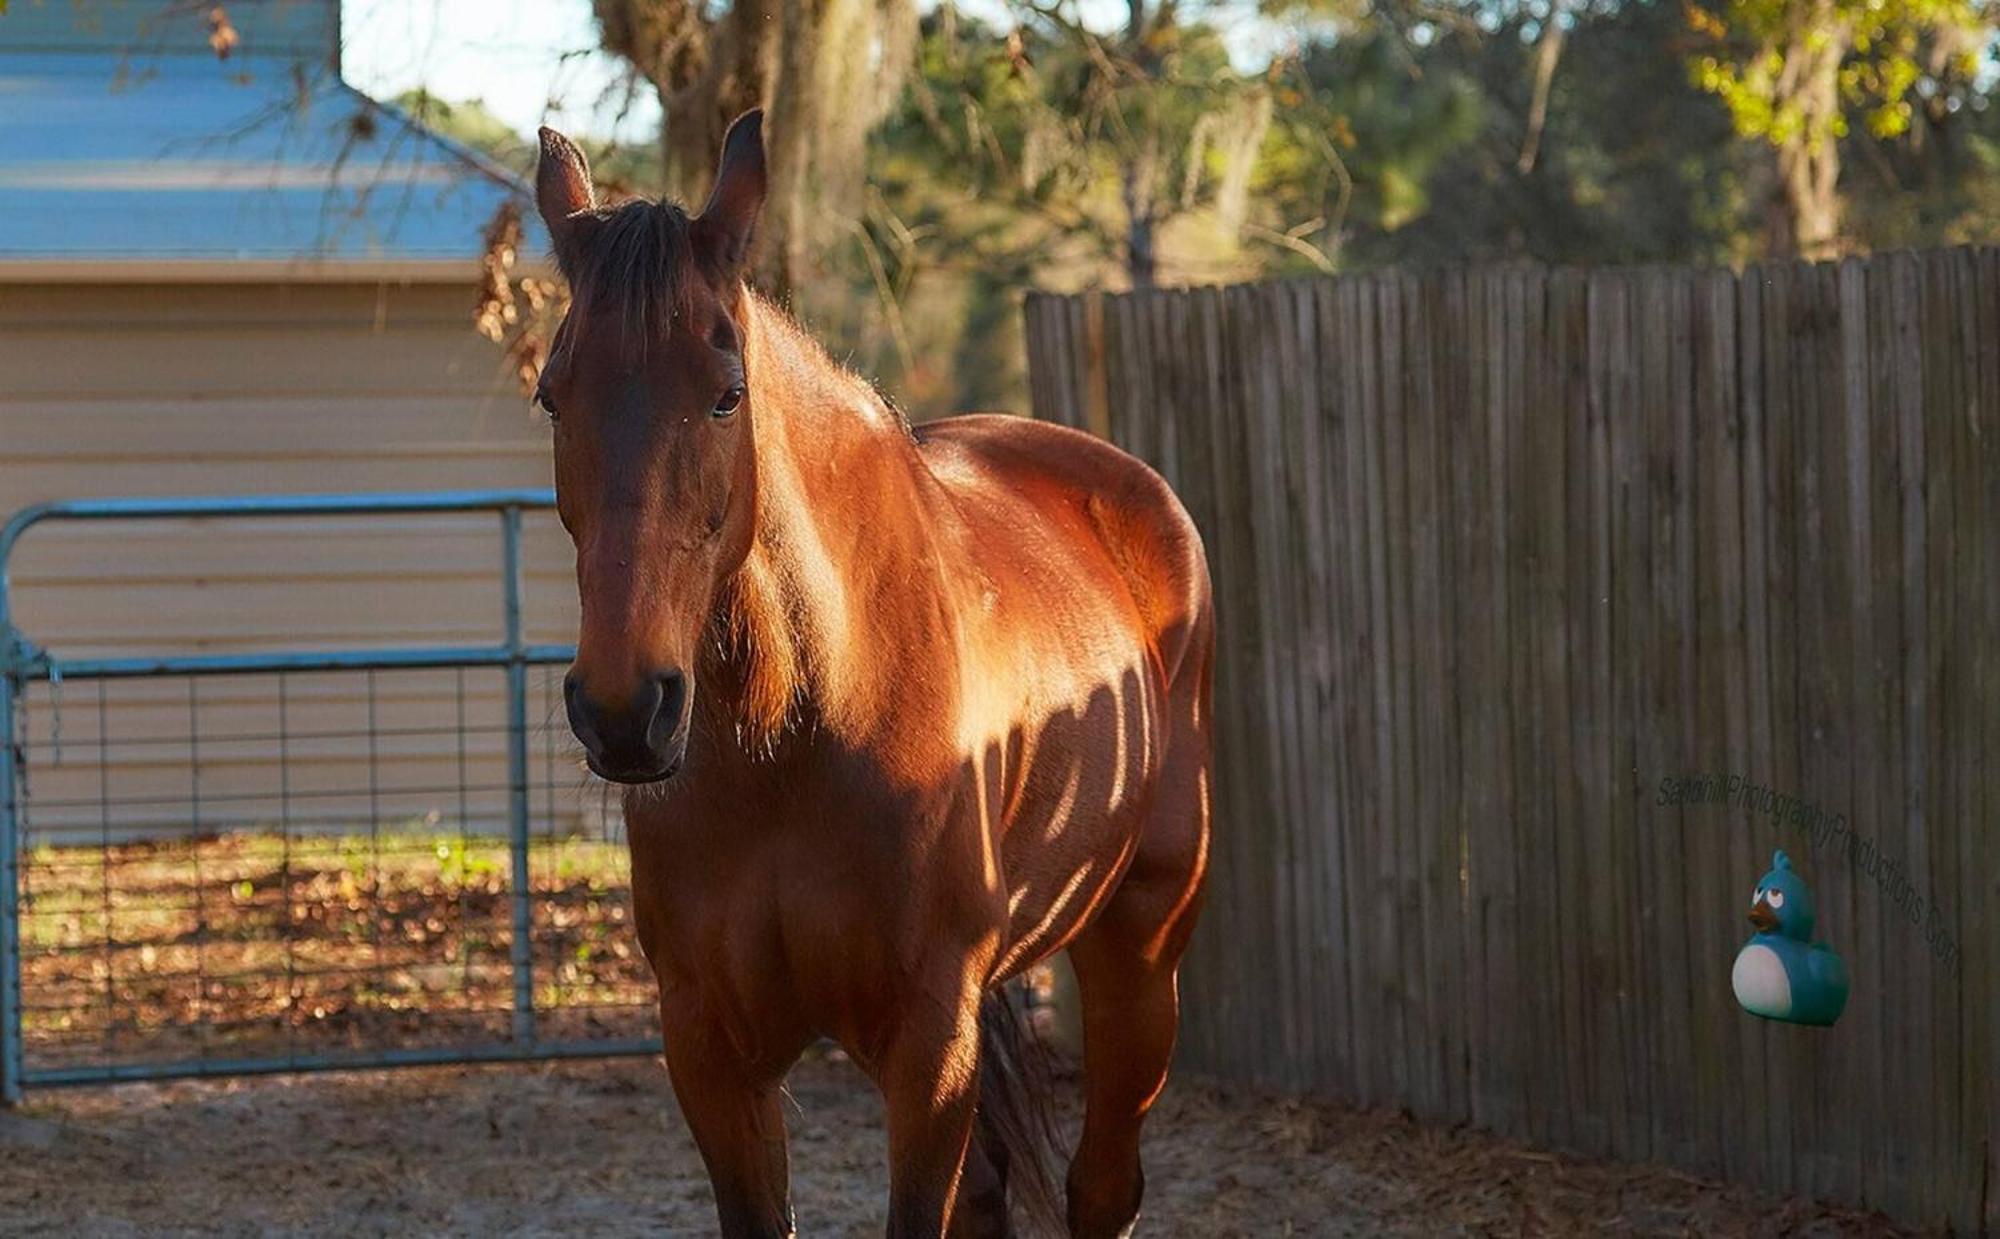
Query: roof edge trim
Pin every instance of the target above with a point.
(240, 271)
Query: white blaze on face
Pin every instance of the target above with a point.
(1760, 982)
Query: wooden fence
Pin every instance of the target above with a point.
(1502, 556)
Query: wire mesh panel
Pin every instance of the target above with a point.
(306, 860)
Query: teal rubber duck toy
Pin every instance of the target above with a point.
(1781, 973)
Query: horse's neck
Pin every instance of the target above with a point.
(837, 487)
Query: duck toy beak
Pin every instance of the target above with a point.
(1762, 917)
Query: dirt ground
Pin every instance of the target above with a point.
(597, 1148)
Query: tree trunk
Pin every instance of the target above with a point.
(1140, 169)
(1548, 51)
(1141, 263)
(1141, 210)
(1806, 219)
(828, 71)
(735, 77)
(1806, 215)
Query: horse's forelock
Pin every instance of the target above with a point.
(631, 264)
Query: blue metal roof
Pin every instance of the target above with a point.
(295, 29)
(147, 157)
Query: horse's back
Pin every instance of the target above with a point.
(1069, 502)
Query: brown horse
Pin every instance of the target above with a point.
(937, 699)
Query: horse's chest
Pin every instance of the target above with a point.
(747, 927)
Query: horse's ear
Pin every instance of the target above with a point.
(562, 187)
(729, 219)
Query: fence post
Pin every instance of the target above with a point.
(522, 952)
(10, 895)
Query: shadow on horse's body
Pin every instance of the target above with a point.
(938, 702)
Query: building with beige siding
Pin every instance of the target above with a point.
(229, 276)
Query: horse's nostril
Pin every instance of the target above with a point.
(672, 689)
(578, 710)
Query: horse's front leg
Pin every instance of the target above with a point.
(929, 1078)
(733, 1108)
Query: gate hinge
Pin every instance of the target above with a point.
(20, 658)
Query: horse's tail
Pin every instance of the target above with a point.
(1017, 1120)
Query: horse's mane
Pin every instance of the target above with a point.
(632, 263)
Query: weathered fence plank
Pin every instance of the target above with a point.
(1713, 676)
(1501, 554)
(1761, 1162)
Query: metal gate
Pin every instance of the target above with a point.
(298, 859)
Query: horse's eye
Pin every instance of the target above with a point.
(730, 400)
(545, 404)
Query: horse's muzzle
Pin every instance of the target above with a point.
(640, 740)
